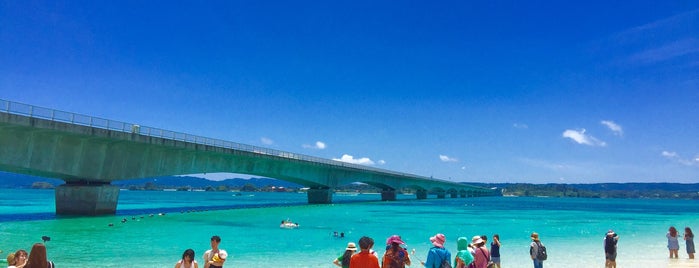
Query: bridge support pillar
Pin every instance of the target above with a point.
(86, 199)
(319, 196)
(441, 194)
(463, 194)
(421, 194)
(388, 195)
(454, 195)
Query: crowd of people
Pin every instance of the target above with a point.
(473, 254)
(36, 258)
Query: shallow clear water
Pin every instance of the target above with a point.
(572, 229)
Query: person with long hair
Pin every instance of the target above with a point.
(610, 249)
(689, 240)
(344, 260)
(673, 244)
(187, 260)
(37, 257)
(396, 256)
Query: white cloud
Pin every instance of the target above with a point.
(581, 138)
(350, 159)
(669, 154)
(676, 157)
(445, 158)
(266, 141)
(613, 127)
(319, 145)
(520, 126)
(382, 162)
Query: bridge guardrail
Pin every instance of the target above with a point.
(29, 110)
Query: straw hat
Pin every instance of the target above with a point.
(351, 246)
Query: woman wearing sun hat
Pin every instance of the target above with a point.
(344, 260)
(395, 256)
(437, 253)
(481, 255)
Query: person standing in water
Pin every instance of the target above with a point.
(495, 250)
(187, 260)
(689, 241)
(610, 241)
(535, 249)
(673, 244)
(215, 257)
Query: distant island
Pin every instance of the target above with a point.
(188, 183)
(599, 190)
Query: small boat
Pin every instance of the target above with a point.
(287, 224)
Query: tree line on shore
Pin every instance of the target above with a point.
(600, 190)
(184, 183)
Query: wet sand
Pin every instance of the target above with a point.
(679, 263)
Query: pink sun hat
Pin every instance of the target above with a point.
(438, 240)
(394, 239)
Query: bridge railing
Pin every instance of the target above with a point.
(11, 107)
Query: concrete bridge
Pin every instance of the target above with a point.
(88, 153)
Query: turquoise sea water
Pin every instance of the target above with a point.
(572, 229)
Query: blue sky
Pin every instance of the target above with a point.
(490, 91)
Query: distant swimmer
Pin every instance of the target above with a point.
(45, 238)
(110, 224)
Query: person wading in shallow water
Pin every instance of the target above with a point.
(187, 260)
(673, 244)
(215, 257)
(535, 249)
(689, 241)
(610, 241)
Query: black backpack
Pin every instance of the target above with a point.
(541, 253)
